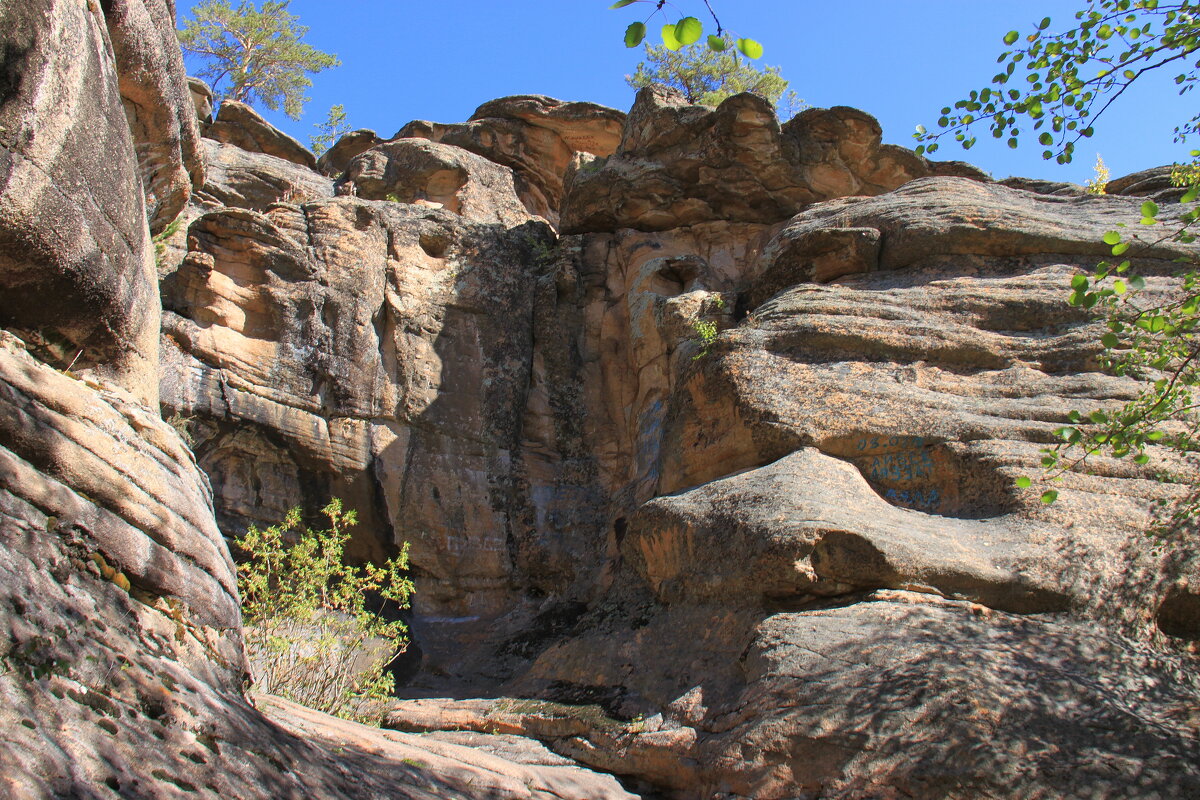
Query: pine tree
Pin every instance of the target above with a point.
(254, 56)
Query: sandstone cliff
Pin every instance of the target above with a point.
(704, 432)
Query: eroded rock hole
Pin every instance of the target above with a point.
(1179, 614)
(435, 244)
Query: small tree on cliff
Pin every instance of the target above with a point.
(254, 56)
(708, 76)
(333, 128)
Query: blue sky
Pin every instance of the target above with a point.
(899, 60)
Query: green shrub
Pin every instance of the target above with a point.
(309, 634)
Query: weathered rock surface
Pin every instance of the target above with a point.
(157, 104)
(724, 479)
(420, 172)
(333, 162)
(239, 179)
(202, 100)
(539, 137)
(680, 165)
(856, 438)
(123, 665)
(240, 125)
(340, 348)
(72, 210)
(440, 766)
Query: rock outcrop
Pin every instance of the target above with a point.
(240, 125)
(123, 667)
(678, 165)
(538, 137)
(716, 490)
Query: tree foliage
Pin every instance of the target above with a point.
(333, 128)
(708, 76)
(309, 634)
(686, 31)
(1056, 85)
(254, 56)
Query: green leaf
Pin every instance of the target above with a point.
(1137, 283)
(1120, 248)
(750, 48)
(1024, 482)
(1110, 340)
(1049, 496)
(1149, 209)
(1119, 286)
(717, 44)
(622, 3)
(1079, 282)
(1112, 237)
(1046, 138)
(669, 40)
(634, 34)
(1045, 23)
(1191, 194)
(688, 31)
(1011, 37)
(1141, 458)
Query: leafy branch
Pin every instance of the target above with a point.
(687, 31)
(1127, 39)
(1154, 341)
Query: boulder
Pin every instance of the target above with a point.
(437, 176)
(240, 125)
(240, 179)
(539, 137)
(333, 162)
(202, 100)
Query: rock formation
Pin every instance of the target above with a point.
(704, 432)
(123, 667)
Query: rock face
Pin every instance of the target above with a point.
(718, 485)
(761, 415)
(856, 552)
(72, 216)
(679, 165)
(123, 667)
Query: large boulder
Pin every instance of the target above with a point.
(240, 179)
(539, 137)
(240, 125)
(417, 171)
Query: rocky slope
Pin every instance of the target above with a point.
(703, 430)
